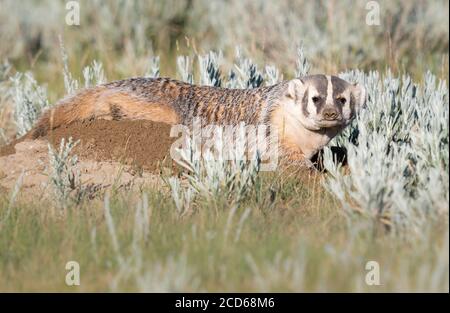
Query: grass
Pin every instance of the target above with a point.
(295, 242)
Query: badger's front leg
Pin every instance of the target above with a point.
(292, 155)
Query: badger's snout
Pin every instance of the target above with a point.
(330, 114)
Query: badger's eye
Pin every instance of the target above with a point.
(342, 100)
(315, 99)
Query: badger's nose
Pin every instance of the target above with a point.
(330, 114)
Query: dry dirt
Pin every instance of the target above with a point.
(110, 152)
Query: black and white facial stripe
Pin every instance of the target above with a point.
(321, 101)
(327, 98)
(340, 87)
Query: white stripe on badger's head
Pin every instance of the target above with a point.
(329, 91)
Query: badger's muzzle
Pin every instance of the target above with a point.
(330, 114)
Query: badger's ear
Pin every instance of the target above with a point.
(359, 92)
(295, 88)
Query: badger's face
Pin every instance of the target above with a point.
(322, 101)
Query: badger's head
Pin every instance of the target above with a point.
(321, 101)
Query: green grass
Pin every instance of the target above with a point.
(294, 242)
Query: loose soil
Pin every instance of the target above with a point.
(133, 150)
(140, 143)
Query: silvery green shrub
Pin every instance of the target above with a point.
(303, 66)
(63, 175)
(398, 150)
(71, 85)
(93, 74)
(245, 74)
(272, 75)
(209, 68)
(210, 176)
(184, 69)
(29, 100)
(153, 67)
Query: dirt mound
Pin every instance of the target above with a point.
(144, 144)
(10, 148)
(109, 152)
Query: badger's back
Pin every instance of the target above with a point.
(214, 104)
(157, 99)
